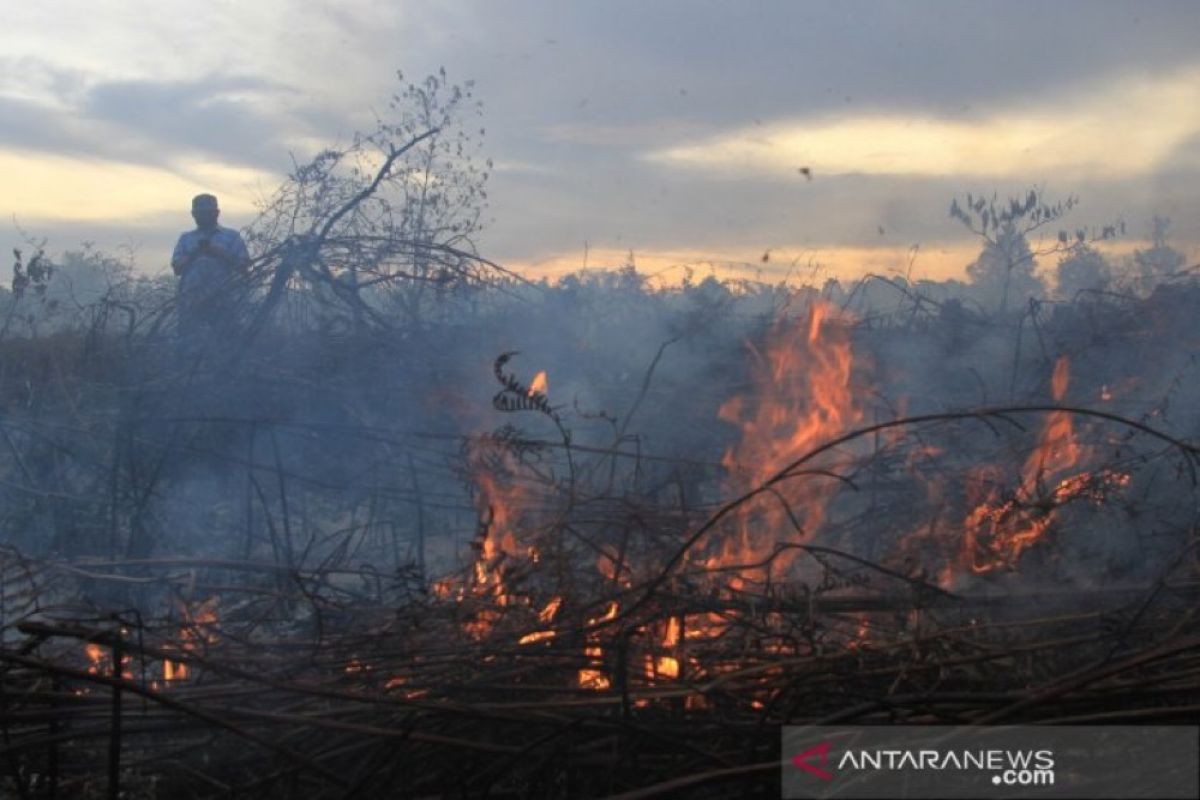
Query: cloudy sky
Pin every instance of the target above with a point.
(672, 129)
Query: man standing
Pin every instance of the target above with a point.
(206, 261)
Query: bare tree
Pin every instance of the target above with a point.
(363, 232)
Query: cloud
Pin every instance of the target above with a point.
(241, 120)
(628, 137)
(1128, 129)
(118, 93)
(624, 62)
(90, 190)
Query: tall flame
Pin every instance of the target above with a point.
(998, 530)
(499, 499)
(801, 399)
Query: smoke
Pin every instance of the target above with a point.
(317, 442)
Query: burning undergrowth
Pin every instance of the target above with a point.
(622, 572)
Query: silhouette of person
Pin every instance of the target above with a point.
(206, 260)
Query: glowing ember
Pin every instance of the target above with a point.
(196, 633)
(97, 656)
(666, 666)
(548, 613)
(536, 636)
(100, 661)
(671, 638)
(862, 633)
(173, 671)
(594, 678)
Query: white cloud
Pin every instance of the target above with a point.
(333, 51)
(1130, 128)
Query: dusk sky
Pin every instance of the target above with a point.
(672, 129)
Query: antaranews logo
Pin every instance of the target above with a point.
(968, 762)
(1005, 767)
(820, 752)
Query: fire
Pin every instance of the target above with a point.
(498, 502)
(96, 656)
(499, 498)
(671, 638)
(548, 613)
(594, 678)
(100, 661)
(196, 632)
(540, 384)
(666, 666)
(1058, 450)
(545, 616)
(501, 543)
(862, 633)
(999, 529)
(802, 398)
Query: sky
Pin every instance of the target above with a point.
(673, 130)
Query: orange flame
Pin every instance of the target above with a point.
(97, 656)
(195, 632)
(100, 660)
(1058, 449)
(499, 499)
(548, 613)
(594, 678)
(671, 637)
(666, 666)
(802, 398)
(540, 384)
(536, 636)
(998, 530)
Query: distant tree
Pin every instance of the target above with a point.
(1005, 270)
(1083, 268)
(1005, 273)
(1159, 262)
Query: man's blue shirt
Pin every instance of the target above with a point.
(205, 270)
